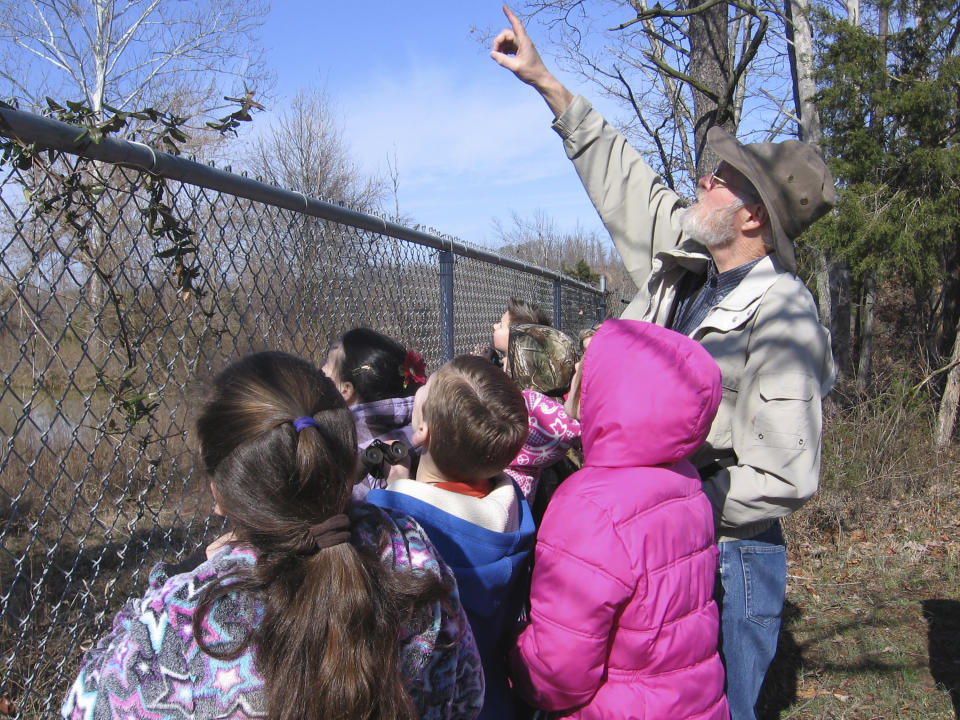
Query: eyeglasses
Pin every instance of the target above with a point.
(717, 180)
(747, 191)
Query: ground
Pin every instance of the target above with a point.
(872, 623)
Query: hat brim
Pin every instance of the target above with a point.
(731, 151)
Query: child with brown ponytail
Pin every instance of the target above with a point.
(314, 607)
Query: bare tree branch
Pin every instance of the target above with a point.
(167, 53)
(304, 150)
(668, 173)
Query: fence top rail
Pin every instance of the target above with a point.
(64, 137)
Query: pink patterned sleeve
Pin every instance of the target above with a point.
(552, 432)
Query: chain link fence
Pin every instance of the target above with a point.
(109, 327)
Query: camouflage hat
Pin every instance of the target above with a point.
(541, 358)
(793, 181)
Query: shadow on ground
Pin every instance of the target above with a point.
(779, 689)
(943, 635)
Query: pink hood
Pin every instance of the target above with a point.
(662, 413)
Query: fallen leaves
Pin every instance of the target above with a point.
(810, 693)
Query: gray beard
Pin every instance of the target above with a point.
(712, 228)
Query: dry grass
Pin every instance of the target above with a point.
(82, 520)
(872, 623)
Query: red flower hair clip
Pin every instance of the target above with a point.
(414, 369)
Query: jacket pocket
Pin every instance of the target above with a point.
(783, 418)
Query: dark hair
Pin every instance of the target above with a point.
(374, 364)
(477, 418)
(329, 641)
(526, 313)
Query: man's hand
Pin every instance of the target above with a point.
(514, 50)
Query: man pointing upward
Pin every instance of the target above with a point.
(723, 272)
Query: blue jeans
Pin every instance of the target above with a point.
(750, 593)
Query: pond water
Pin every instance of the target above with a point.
(35, 415)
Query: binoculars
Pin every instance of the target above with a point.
(379, 453)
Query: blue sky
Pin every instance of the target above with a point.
(412, 78)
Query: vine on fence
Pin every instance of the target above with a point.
(73, 195)
(136, 406)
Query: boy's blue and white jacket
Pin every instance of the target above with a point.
(487, 542)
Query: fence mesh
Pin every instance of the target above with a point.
(104, 349)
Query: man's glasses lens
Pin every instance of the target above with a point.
(715, 179)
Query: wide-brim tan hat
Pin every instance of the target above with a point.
(793, 181)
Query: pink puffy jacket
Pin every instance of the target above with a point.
(622, 621)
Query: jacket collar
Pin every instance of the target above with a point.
(754, 284)
(688, 254)
(693, 257)
(738, 305)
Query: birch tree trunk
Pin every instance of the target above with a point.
(853, 12)
(824, 299)
(800, 48)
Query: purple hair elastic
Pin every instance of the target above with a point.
(304, 422)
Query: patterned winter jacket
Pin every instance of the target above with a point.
(150, 665)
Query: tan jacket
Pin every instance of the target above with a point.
(761, 460)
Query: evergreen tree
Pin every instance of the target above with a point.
(582, 272)
(889, 102)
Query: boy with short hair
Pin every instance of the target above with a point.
(471, 421)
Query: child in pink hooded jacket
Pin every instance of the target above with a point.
(622, 619)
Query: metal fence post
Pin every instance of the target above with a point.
(446, 305)
(602, 309)
(557, 305)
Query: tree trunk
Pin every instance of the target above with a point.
(864, 367)
(800, 50)
(853, 12)
(709, 64)
(824, 301)
(840, 321)
(883, 26)
(96, 262)
(947, 417)
(833, 279)
(950, 314)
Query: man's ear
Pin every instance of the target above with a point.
(757, 217)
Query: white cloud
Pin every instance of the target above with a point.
(472, 144)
